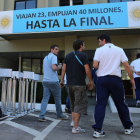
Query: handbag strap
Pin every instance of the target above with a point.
(78, 59)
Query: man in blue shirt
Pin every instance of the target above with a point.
(51, 83)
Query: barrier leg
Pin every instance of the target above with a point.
(23, 96)
(26, 96)
(9, 85)
(31, 98)
(14, 96)
(34, 102)
(3, 96)
(19, 95)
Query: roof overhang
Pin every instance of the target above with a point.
(41, 35)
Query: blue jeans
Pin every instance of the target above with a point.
(48, 88)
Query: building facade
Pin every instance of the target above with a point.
(25, 50)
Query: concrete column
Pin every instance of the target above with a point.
(69, 43)
(90, 1)
(1, 5)
(19, 64)
(53, 3)
(42, 3)
(102, 1)
(46, 3)
(71, 3)
(9, 5)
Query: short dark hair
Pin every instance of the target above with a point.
(138, 55)
(77, 44)
(53, 46)
(106, 37)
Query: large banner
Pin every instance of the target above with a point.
(72, 18)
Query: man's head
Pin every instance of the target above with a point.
(54, 49)
(78, 45)
(138, 55)
(103, 39)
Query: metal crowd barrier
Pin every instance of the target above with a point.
(5, 75)
(13, 80)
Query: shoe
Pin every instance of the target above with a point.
(42, 120)
(3, 116)
(78, 130)
(67, 110)
(129, 131)
(72, 124)
(62, 117)
(138, 103)
(98, 134)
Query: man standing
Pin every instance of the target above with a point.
(51, 83)
(136, 73)
(107, 60)
(76, 66)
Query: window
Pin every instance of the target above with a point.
(111, 1)
(26, 64)
(25, 4)
(34, 65)
(64, 2)
(77, 2)
(70, 2)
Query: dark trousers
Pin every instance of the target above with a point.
(137, 90)
(110, 85)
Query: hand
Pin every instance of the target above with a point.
(60, 65)
(133, 83)
(61, 83)
(90, 85)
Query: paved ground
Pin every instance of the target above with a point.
(28, 127)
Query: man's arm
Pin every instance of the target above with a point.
(129, 71)
(136, 72)
(95, 64)
(63, 74)
(55, 67)
(88, 73)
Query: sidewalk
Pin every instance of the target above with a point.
(28, 127)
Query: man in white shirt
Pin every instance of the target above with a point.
(107, 60)
(136, 73)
